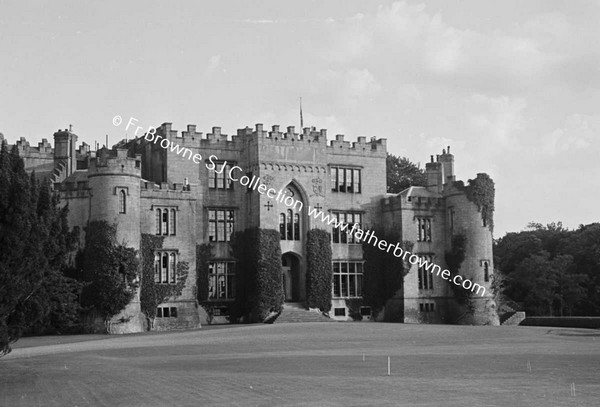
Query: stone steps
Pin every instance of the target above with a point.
(293, 313)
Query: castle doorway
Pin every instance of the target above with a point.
(291, 277)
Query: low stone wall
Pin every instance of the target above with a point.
(563, 322)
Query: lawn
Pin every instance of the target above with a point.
(310, 364)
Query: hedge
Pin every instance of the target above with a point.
(259, 287)
(319, 270)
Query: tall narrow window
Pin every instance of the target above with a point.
(172, 268)
(158, 221)
(122, 201)
(172, 222)
(296, 227)
(290, 226)
(349, 186)
(282, 226)
(357, 186)
(424, 225)
(165, 268)
(486, 272)
(334, 179)
(425, 276)
(165, 222)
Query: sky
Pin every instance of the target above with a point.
(512, 86)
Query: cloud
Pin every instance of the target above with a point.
(497, 120)
(576, 134)
(213, 64)
(347, 86)
(410, 41)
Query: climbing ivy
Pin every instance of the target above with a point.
(481, 192)
(454, 259)
(354, 305)
(110, 269)
(259, 290)
(203, 255)
(383, 272)
(153, 294)
(318, 270)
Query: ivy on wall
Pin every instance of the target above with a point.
(318, 270)
(481, 192)
(383, 272)
(354, 305)
(454, 259)
(259, 289)
(153, 294)
(109, 268)
(203, 255)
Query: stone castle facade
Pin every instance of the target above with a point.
(145, 189)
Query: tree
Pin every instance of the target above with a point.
(401, 173)
(35, 240)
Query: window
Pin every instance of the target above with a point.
(365, 311)
(166, 312)
(350, 219)
(486, 271)
(165, 267)
(220, 225)
(166, 221)
(122, 201)
(221, 285)
(424, 225)
(339, 312)
(425, 277)
(451, 220)
(347, 279)
(172, 222)
(427, 307)
(220, 180)
(345, 180)
(289, 225)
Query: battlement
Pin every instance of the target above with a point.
(192, 138)
(115, 161)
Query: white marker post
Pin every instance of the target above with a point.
(389, 366)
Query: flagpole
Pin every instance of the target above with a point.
(301, 118)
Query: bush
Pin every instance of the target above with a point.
(259, 289)
(318, 270)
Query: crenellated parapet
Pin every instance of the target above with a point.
(191, 138)
(115, 162)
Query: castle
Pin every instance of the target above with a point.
(146, 189)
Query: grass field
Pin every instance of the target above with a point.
(311, 364)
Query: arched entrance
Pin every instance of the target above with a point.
(291, 277)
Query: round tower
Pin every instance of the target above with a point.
(114, 180)
(465, 218)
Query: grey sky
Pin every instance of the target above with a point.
(512, 86)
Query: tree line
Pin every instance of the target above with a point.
(550, 270)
